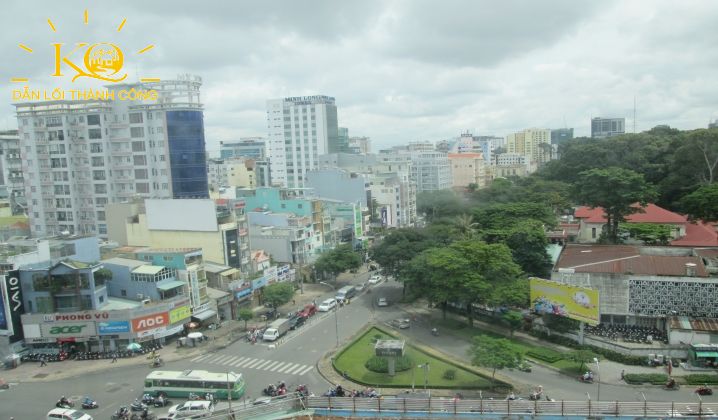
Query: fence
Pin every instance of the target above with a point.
(397, 405)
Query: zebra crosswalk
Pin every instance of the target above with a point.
(240, 362)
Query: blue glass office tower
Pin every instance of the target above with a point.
(188, 163)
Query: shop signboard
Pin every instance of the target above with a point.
(550, 297)
(11, 306)
(180, 314)
(113, 327)
(169, 331)
(239, 294)
(151, 333)
(148, 322)
(259, 283)
(68, 329)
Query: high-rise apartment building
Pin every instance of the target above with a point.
(250, 147)
(607, 127)
(342, 145)
(11, 170)
(431, 171)
(359, 145)
(534, 143)
(300, 129)
(78, 156)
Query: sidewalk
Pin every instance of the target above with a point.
(33, 372)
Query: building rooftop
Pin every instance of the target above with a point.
(168, 250)
(698, 234)
(148, 269)
(625, 259)
(127, 262)
(216, 293)
(694, 324)
(114, 304)
(215, 268)
(651, 214)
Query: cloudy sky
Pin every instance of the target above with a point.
(400, 70)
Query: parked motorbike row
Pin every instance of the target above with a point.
(47, 357)
(627, 333)
(254, 334)
(129, 413)
(340, 392)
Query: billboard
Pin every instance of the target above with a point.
(550, 297)
(149, 322)
(68, 329)
(11, 306)
(180, 314)
(113, 327)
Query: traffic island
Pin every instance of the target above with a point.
(357, 363)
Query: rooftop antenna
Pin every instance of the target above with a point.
(634, 114)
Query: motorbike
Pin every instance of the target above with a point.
(88, 403)
(671, 386)
(122, 413)
(302, 391)
(147, 399)
(434, 332)
(704, 390)
(64, 403)
(161, 402)
(157, 363)
(138, 406)
(143, 416)
(583, 379)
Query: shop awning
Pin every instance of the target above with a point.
(707, 354)
(204, 315)
(168, 284)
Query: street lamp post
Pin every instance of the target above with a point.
(336, 310)
(425, 366)
(598, 379)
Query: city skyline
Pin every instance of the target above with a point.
(404, 71)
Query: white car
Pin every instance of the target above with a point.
(327, 305)
(191, 409)
(375, 279)
(67, 414)
(382, 302)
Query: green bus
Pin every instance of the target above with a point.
(173, 383)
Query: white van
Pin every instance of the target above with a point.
(67, 414)
(192, 410)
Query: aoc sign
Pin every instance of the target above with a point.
(150, 322)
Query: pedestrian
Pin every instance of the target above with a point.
(293, 302)
(114, 357)
(623, 373)
(42, 361)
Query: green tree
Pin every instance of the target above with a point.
(514, 319)
(442, 203)
(648, 233)
(398, 247)
(338, 260)
(617, 191)
(465, 226)
(245, 314)
(702, 204)
(277, 294)
(580, 356)
(494, 354)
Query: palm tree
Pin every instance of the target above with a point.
(465, 225)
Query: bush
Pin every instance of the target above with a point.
(611, 355)
(642, 378)
(449, 374)
(701, 378)
(546, 355)
(381, 364)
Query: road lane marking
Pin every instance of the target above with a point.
(277, 367)
(255, 363)
(305, 370)
(247, 362)
(231, 360)
(197, 359)
(296, 369)
(240, 361)
(220, 360)
(289, 367)
(261, 365)
(269, 366)
(213, 359)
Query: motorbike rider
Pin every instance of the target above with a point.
(63, 401)
(671, 383)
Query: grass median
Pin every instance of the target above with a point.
(353, 358)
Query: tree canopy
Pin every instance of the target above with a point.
(620, 192)
(338, 260)
(277, 294)
(494, 353)
(702, 203)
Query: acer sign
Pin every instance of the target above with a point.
(68, 329)
(150, 322)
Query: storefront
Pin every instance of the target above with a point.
(105, 330)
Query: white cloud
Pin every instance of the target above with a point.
(404, 70)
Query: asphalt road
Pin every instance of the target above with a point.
(294, 361)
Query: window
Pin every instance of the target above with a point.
(98, 175)
(593, 233)
(94, 133)
(93, 120)
(139, 160)
(95, 147)
(141, 174)
(98, 161)
(142, 187)
(138, 146)
(53, 121)
(101, 201)
(100, 189)
(123, 292)
(136, 118)
(101, 216)
(137, 132)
